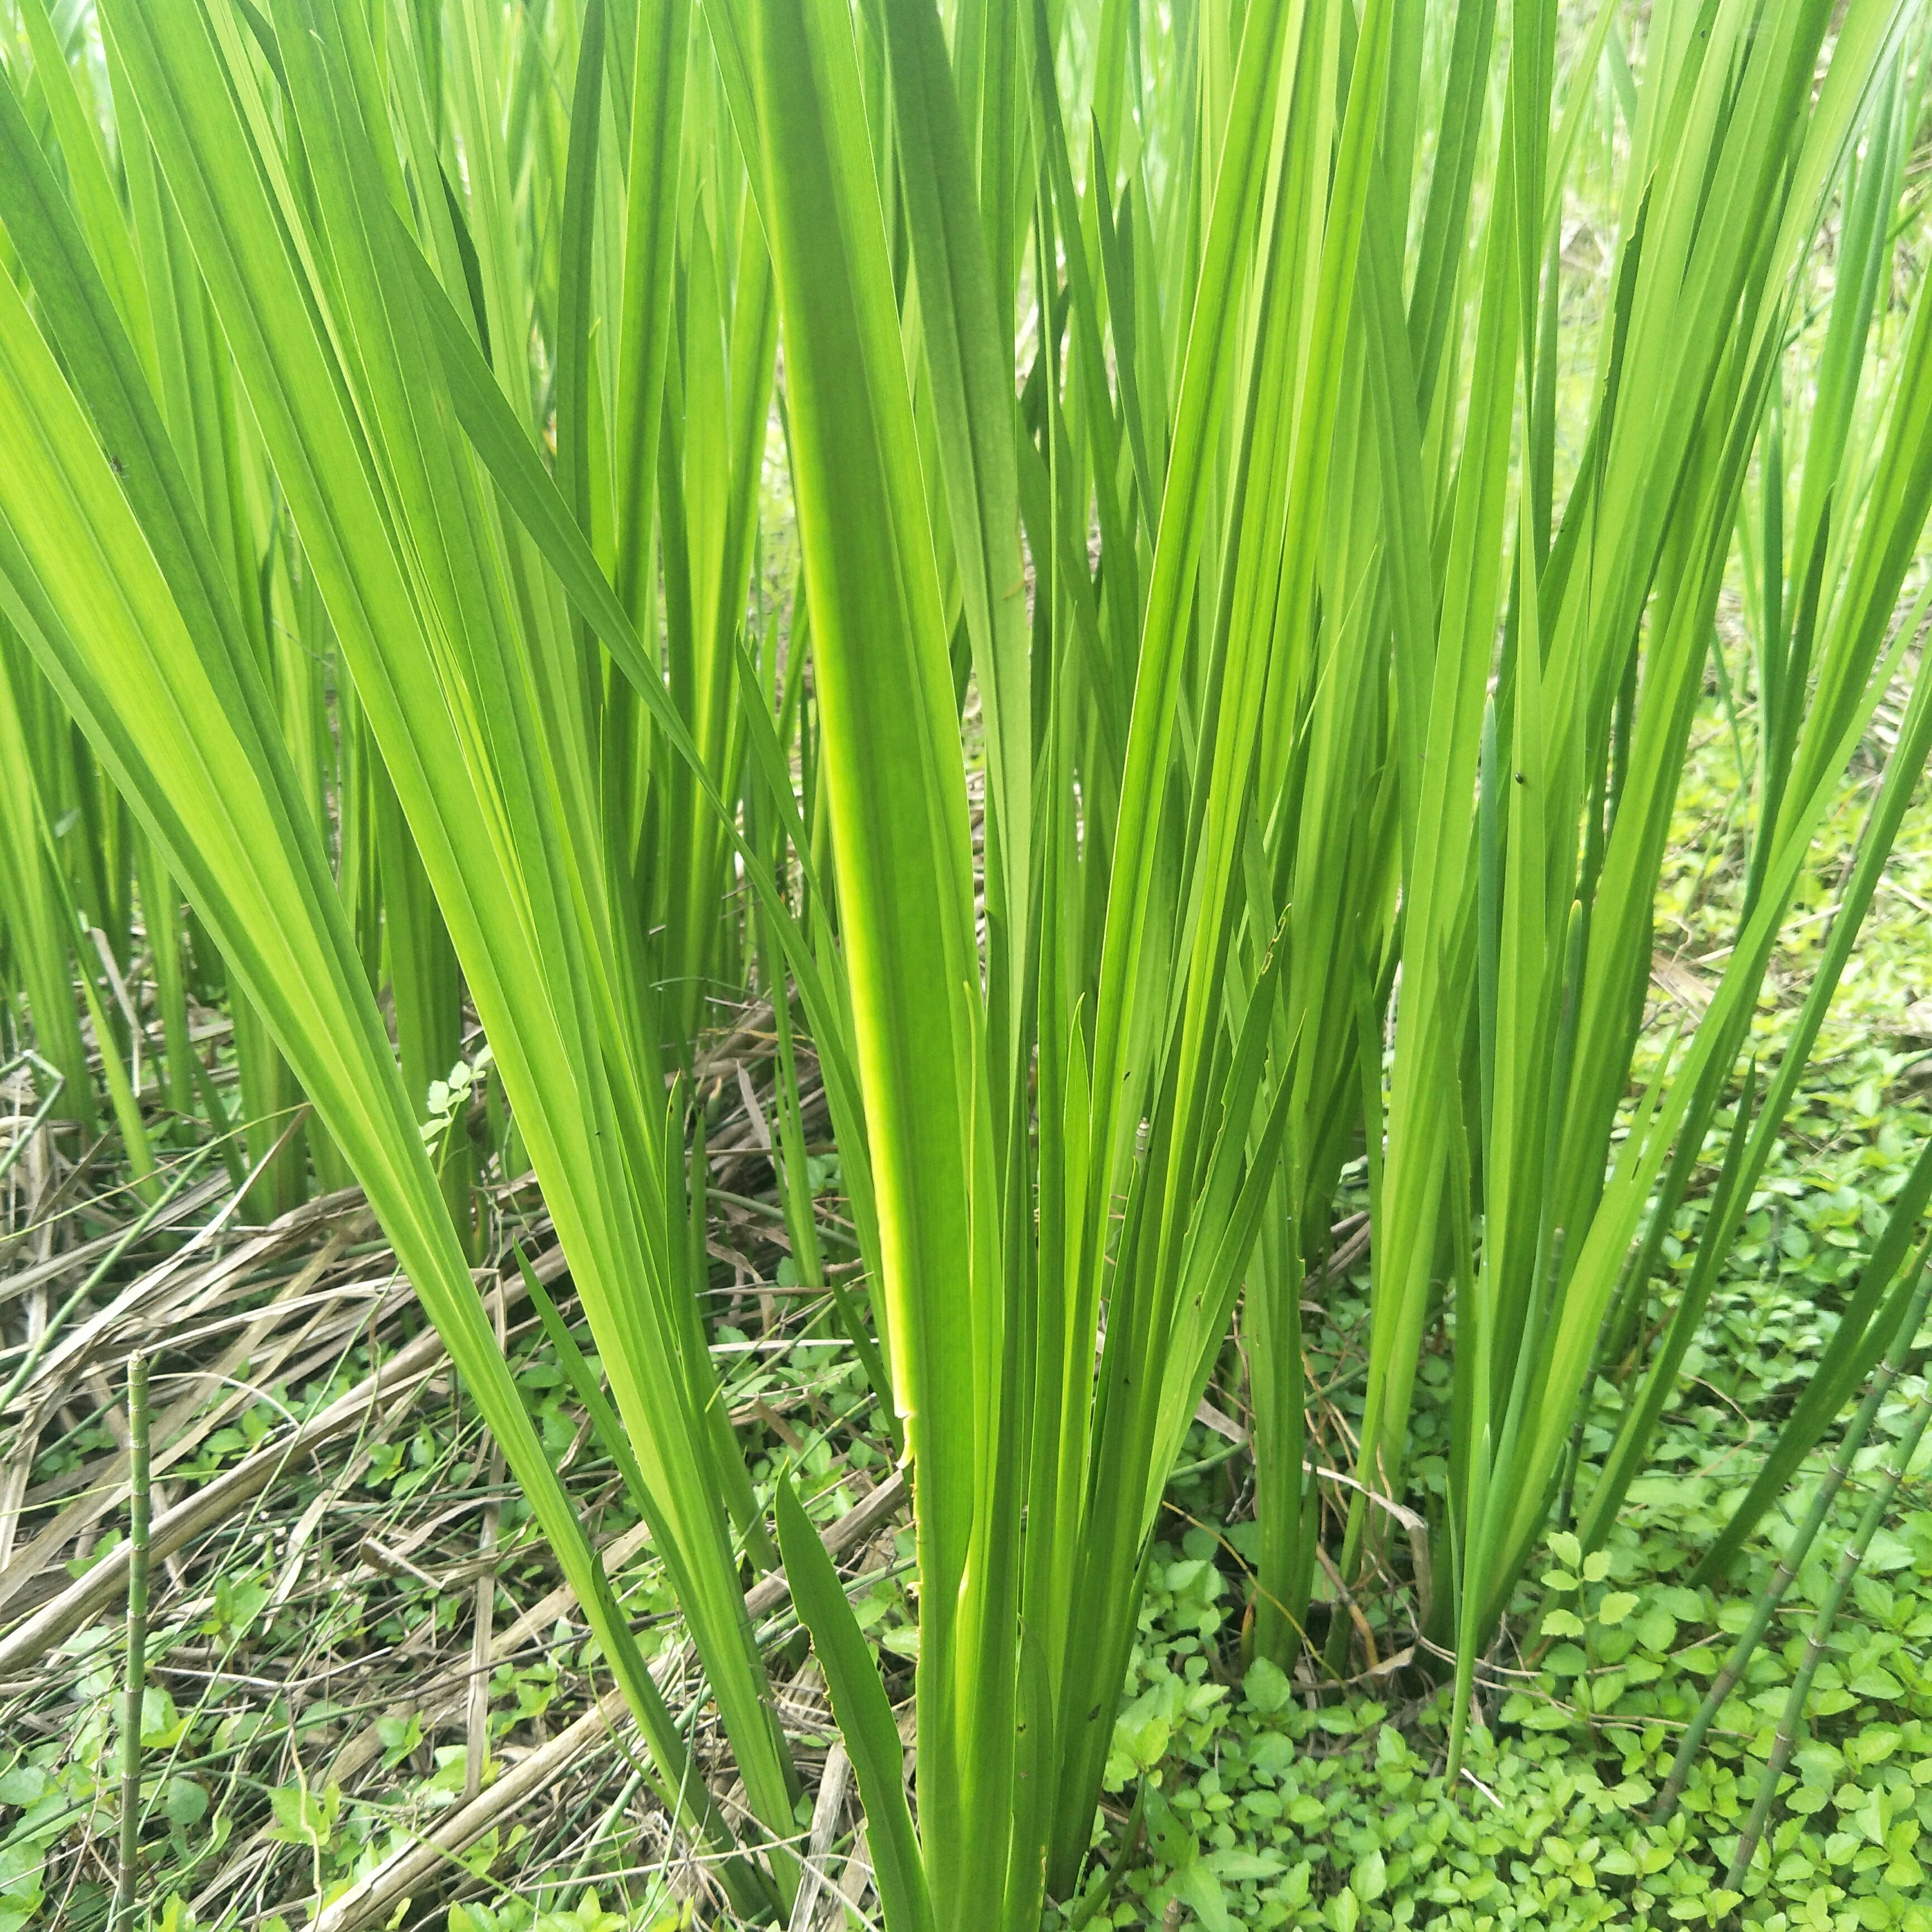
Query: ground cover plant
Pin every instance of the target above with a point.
(1080, 629)
(1281, 1813)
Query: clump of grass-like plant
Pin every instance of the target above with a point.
(1204, 663)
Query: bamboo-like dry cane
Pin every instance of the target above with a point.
(56, 1080)
(136, 1663)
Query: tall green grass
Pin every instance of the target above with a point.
(1215, 721)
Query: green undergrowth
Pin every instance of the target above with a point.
(1237, 1798)
(1258, 1811)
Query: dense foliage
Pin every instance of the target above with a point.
(1135, 583)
